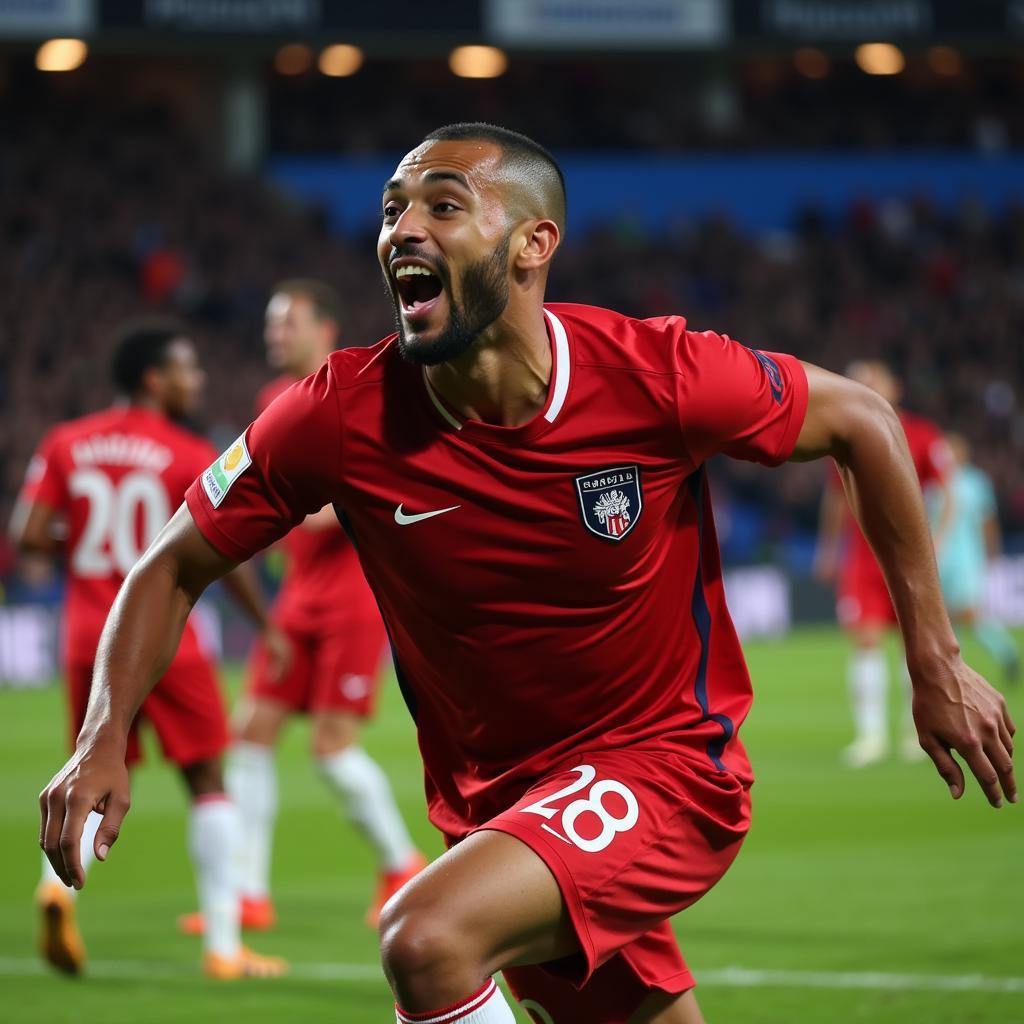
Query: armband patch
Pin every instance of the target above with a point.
(217, 480)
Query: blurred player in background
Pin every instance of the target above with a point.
(864, 607)
(526, 484)
(970, 541)
(337, 644)
(99, 489)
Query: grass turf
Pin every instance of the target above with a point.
(870, 871)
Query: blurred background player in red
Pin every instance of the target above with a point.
(337, 644)
(863, 607)
(99, 489)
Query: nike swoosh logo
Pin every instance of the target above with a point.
(406, 520)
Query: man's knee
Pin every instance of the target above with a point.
(333, 732)
(260, 722)
(205, 777)
(421, 945)
(868, 637)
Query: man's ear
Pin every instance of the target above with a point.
(537, 244)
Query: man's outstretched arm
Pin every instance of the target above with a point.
(138, 643)
(954, 708)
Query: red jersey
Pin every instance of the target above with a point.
(550, 588)
(323, 583)
(930, 453)
(116, 477)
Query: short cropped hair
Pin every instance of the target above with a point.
(138, 346)
(529, 161)
(326, 302)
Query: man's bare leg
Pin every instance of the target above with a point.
(488, 903)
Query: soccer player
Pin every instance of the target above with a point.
(111, 481)
(972, 539)
(864, 608)
(337, 639)
(525, 485)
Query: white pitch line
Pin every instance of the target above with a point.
(743, 977)
(723, 977)
(24, 967)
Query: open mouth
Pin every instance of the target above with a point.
(418, 288)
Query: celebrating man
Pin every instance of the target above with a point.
(525, 486)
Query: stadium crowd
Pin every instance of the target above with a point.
(662, 103)
(106, 216)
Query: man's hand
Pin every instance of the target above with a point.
(955, 709)
(94, 779)
(279, 652)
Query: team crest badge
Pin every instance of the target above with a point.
(610, 501)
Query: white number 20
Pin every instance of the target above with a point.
(109, 540)
(592, 804)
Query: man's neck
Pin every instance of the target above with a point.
(147, 402)
(503, 379)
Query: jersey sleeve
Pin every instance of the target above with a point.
(286, 465)
(738, 401)
(45, 480)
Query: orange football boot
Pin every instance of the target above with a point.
(390, 882)
(246, 964)
(258, 915)
(60, 942)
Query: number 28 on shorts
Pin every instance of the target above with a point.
(575, 817)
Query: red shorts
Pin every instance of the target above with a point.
(863, 596)
(632, 837)
(185, 709)
(330, 671)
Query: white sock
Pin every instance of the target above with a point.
(486, 1006)
(869, 684)
(252, 782)
(214, 835)
(366, 793)
(86, 852)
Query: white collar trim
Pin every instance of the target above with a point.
(560, 385)
(438, 404)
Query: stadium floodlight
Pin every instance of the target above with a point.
(879, 59)
(61, 55)
(811, 63)
(340, 60)
(478, 61)
(293, 59)
(944, 60)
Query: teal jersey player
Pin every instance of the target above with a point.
(963, 549)
(963, 553)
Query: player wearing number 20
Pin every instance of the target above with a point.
(525, 485)
(111, 481)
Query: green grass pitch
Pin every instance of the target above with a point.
(859, 896)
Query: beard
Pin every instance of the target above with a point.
(484, 298)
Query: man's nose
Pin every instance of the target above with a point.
(409, 227)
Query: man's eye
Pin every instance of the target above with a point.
(445, 207)
(390, 211)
